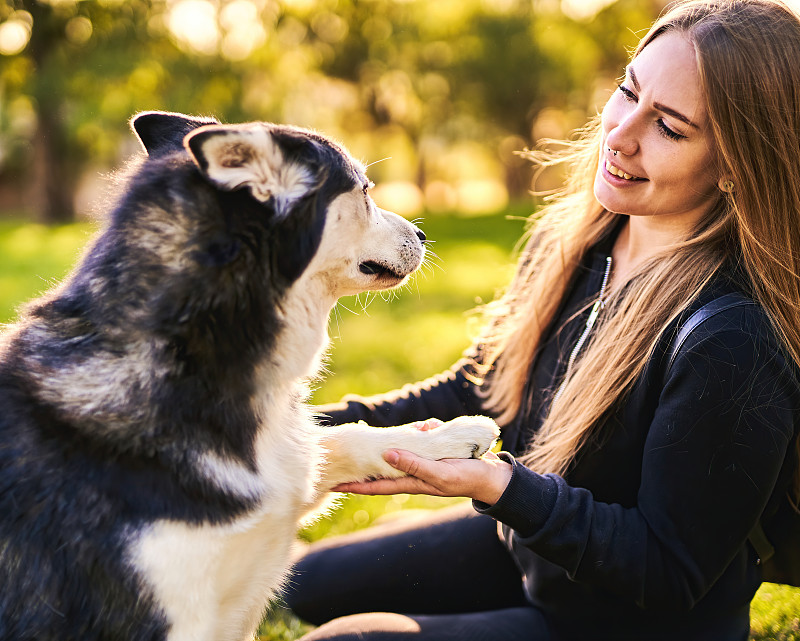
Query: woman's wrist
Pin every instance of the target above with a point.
(496, 481)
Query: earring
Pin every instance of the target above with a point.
(726, 185)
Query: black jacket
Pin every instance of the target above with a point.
(646, 536)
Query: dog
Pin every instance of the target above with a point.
(156, 447)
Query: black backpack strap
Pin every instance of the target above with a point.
(706, 312)
(758, 539)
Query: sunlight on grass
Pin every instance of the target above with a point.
(775, 613)
(352, 512)
(381, 352)
(33, 258)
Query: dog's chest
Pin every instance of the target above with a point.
(214, 581)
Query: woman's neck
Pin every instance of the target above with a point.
(641, 238)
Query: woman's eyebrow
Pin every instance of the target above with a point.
(660, 106)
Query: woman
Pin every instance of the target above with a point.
(627, 510)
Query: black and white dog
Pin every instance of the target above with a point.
(156, 453)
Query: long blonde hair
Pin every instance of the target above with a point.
(747, 53)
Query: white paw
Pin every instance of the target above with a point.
(463, 437)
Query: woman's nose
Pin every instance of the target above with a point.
(624, 136)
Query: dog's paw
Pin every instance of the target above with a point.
(463, 437)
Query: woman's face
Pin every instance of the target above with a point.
(657, 123)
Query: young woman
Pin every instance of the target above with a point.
(629, 485)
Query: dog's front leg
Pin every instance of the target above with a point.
(354, 451)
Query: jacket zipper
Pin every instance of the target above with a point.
(598, 306)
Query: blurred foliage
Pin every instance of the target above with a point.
(447, 89)
(32, 259)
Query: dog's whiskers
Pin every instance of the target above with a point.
(363, 302)
(391, 294)
(375, 162)
(431, 263)
(335, 317)
(370, 298)
(432, 258)
(340, 306)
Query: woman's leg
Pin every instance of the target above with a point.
(452, 561)
(513, 624)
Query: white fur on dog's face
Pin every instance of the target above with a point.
(364, 247)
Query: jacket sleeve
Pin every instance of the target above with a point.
(444, 396)
(726, 415)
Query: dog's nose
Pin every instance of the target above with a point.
(421, 235)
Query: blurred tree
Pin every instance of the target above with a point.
(45, 85)
(450, 87)
(85, 69)
(54, 182)
(455, 70)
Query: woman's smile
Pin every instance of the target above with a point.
(618, 172)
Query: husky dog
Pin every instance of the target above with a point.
(156, 453)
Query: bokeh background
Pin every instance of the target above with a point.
(436, 96)
(439, 94)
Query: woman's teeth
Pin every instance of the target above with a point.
(611, 169)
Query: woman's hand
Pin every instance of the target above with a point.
(482, 479)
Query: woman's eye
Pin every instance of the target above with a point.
(663, 129)
(666, 131)
(629, 95)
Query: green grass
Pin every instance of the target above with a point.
(429, 324)
(775, 613)
(33, 258)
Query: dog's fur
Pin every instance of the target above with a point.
(156, 454)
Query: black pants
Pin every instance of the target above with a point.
(446, 576)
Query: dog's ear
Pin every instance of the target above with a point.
(234, 156)
(161, 132)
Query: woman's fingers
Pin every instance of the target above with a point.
(424, 477)
(414, 465)
(402, 485)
